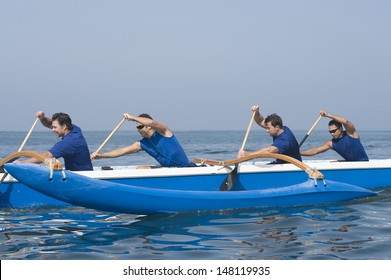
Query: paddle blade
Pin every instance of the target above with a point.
(229, 181)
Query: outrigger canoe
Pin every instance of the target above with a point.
(166, 190)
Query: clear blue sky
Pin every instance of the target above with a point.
(195, 64)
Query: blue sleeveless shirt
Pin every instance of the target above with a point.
(349, 148)
(286, 144)
(166, 150)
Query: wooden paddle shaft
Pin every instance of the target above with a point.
(28, 135)
(312, 128)
(248, 131)
(111, 135)
(309, 131)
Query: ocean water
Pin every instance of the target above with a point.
(355, 230)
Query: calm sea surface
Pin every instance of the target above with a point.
(353, 230)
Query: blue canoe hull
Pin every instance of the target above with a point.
(110, 196)
(17, 195)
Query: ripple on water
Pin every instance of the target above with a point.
(357, 231)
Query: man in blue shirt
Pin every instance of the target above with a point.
(345, 142)
(72, 148)
(158, 141)
(284, 142)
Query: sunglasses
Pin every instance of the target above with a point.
(333, 131)
(140, 127)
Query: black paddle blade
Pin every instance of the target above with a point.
(4, 176)
(2, 170)
(229, 182)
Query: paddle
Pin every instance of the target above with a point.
(28, 135)
(309, 131)
(20, 148)
(229, 182)
(111, 135)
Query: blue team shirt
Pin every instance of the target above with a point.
(349, 148)
(74, 150)
(286, 144)
(166, 150)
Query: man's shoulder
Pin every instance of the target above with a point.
(287, 132)
(76, 128)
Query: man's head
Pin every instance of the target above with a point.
(142, 129)
(273, 124)
(335, 129)
(61, 124)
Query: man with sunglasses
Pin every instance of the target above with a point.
(345, 142)
(158, 141)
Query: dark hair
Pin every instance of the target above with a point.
(145, 116)
(62, 119)
(274, 119)
(334, 122)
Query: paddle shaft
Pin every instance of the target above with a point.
(20, 148)
(111, 135)
(28, 135)
(311, 129)
(248, 131)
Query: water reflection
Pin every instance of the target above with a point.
(295, 233)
